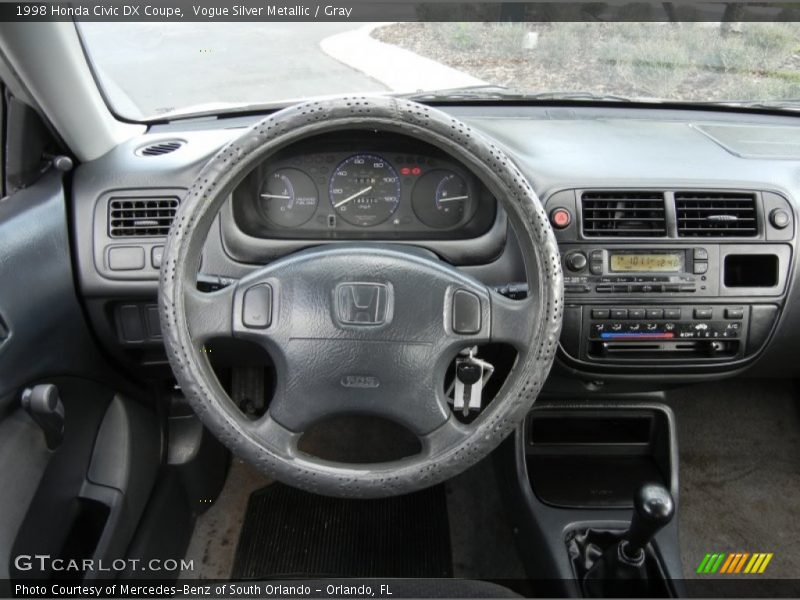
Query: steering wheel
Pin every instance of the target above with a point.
(360, 329)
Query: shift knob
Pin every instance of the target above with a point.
(653, 508)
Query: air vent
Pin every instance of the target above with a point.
(160, 148)
(716, 214)
(140, 217)
(623, 214)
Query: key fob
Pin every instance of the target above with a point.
(469, 373)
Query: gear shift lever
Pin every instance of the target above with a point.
(653, 508)
(621, 571)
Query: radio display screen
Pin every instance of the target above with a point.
(664, 262)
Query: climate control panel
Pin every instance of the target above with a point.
(647, 324)
(629, 333)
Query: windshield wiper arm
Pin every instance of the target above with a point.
(786, 104)
(499, 92)
(584, 95)
(470, 92)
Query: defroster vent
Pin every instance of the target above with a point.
(160, 148)
(716, 214)
(140, 217)
(623, 214)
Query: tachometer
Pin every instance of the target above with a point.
(440, 198)
(365, 190)
(288, 197)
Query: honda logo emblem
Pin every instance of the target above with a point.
(362, 303)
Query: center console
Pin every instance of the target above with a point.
(606, 529)
(673, 279)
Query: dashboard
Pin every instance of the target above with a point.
(362, 186)
(678, 243)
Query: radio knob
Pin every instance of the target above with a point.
(576, 261)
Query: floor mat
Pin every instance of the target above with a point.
(482, 538)
(739, 444)
(216, 531)
(288, 533)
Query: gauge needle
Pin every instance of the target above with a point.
(452, 199)
(276, 196)
(356, 195)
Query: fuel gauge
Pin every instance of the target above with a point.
(288, 197)
(440, 198)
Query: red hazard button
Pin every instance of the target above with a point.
(560, 218)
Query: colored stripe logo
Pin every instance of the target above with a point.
(734, 562)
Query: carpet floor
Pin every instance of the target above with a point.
(739, 446)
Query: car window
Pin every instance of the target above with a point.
(152, 69)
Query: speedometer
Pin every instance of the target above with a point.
(365, 190)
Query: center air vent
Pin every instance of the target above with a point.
(160, 148)
(140, 217)
(623, 214)
(716, 214)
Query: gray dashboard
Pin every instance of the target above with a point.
(560, 149)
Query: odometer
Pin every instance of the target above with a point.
(364, 190)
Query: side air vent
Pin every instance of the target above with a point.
(140, 217)
(160, 148)
(716, 214)
(623, 214)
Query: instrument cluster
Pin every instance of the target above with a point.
(373, 191)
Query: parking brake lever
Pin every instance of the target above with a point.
(44, 405)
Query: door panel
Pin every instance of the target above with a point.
(46, 340)
(23, 458)
(46, 333)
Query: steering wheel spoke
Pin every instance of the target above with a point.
(513, 321)
(267, 430)
(444, 437)
(209, 314)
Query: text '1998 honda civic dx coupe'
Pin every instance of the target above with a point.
(498, 306)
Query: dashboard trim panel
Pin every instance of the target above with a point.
(245, 248)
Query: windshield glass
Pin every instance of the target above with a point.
(152, 70)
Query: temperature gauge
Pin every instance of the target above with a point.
(440, 198)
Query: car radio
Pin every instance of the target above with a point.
(603, 270)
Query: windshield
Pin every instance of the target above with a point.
(154, 70)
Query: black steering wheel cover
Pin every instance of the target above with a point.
(212, 188)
